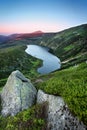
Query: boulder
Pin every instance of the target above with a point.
(18, 94)
(59, 116)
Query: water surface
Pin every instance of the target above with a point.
(50, 61)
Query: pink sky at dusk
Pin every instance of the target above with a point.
(31, 27)
(26, 16)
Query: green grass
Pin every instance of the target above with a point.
(68, 44)
(13, 58)
(33, 118)
(67, 48)
(2, 82)
(71, 84)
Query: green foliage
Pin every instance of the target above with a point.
(15, 57)
(2, 82)
(69, 44)
(71, 84)
(33, 118)
(67, 48)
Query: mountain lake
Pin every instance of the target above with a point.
(50, 61)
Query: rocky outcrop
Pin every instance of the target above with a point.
(18, 94)
(58, 115)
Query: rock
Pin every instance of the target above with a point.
(18, 94)
(58, 115)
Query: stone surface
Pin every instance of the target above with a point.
(18, 94)
(58, 114)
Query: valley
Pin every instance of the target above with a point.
(69, 82)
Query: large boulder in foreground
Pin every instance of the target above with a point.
(18, 94)
(58, 115)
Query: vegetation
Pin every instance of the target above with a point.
(2, 82)
(33, 118)
(14, 58)
(71, 84)
(68, 44)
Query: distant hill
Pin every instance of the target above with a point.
(3, 38)
(69, 45)
(70, 82)
(20, 36)
(30, 35)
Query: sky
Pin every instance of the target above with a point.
(26, 16)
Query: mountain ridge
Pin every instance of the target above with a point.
(70, 82)
(4, 38)
(69, 45)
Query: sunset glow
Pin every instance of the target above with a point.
(31, 27)
(25, 16)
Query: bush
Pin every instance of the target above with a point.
(33, 118)
(71, 84)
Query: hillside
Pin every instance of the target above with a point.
(69, 45)
(71, 84)
(20, 36)
(70, 81)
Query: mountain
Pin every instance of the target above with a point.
(31, 35)
(3, 38)
(69, 45)
(20, 36)
(70, 82)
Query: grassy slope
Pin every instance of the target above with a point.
(33, 118)
(70, 46)
(71, 84)
(13, 58)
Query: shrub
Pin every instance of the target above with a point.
(33, 118)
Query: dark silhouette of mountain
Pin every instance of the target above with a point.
(31, 35)
(3, 38)
(20, 36)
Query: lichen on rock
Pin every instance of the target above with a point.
(59, 116)
(18, 94)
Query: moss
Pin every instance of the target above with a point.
(14, 58)
(33, 118)
(71, 84)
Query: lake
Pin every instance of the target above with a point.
(50, 61)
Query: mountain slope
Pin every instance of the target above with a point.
(71, 84)
(20, 36)
(71, 47)
(3, 38)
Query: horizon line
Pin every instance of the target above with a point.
(11, 33)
